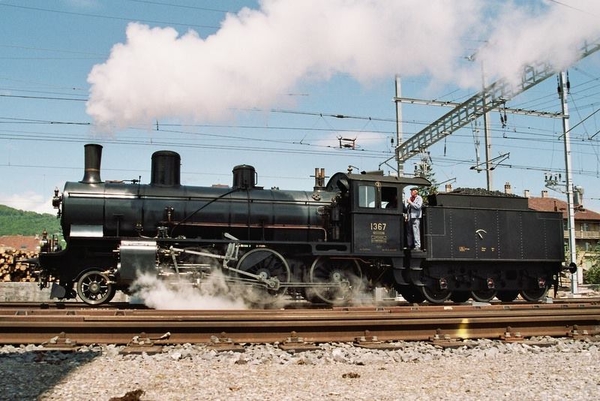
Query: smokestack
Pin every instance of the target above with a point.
(93, 157)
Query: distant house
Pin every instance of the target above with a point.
(20, 242)
(587, 225)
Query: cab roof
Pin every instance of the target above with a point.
(340, 181)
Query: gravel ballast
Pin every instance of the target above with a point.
(484, 369)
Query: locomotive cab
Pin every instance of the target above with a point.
(376, 212)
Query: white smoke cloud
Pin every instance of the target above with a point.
(257, 55)
(528, 35)
(210, 294)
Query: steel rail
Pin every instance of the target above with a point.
(408, 323)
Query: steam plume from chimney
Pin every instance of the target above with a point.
(258, 55)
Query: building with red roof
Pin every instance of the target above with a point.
(587, 225)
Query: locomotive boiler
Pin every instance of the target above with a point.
(329, 244)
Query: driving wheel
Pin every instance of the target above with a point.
(335, 281)
(268, 272)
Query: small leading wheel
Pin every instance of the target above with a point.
(434, 295)
(483, 295)
(267, 270)
(336, 281)
(534, 295)
(507, 296)
(95, 288)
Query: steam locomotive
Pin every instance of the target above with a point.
(330, 244)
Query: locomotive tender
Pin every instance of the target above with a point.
(326, 245)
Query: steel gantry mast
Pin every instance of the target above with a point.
(491, 97)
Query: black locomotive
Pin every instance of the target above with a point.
(330, 244)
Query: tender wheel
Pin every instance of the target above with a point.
(272, 271)
(411, 294)
(460, 296)
(483, 295)
(435, 296)
(507, 296)
(95, 288)
(337, 281)
(534, 295)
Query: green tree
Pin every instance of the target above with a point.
(425, 169)
(592, 275)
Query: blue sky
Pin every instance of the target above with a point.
(247, 82)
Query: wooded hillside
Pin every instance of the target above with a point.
(19, 222)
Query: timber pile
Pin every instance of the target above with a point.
(13, 271)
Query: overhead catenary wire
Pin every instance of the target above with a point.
(102, 16)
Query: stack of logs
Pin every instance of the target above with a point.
(13, 270)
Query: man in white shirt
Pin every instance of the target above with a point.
(414, 211)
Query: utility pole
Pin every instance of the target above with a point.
(488, 137)
(563, 92)
(399, 123)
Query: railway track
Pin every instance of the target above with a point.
(68, 326)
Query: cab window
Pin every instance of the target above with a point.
(374, 196)
(367, 196)
(389, 197)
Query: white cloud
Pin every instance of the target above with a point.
(29, 201)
